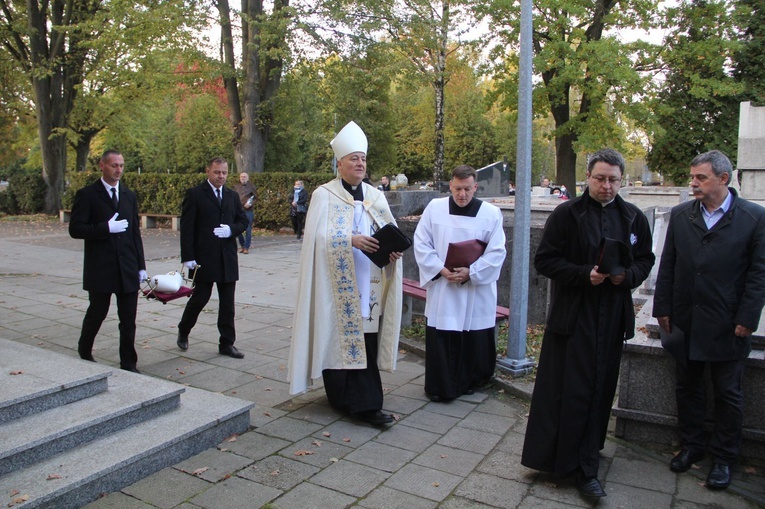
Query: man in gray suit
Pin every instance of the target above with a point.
(211, 219)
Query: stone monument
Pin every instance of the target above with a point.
(751, 152)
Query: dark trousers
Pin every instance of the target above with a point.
(127, 307)
(356, 390)
(197, 302)
(729, 407)
(298, 221)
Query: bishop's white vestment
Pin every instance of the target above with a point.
(341, 295)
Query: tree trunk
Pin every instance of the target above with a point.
(439, 86)
(82, 149)
(565, 161)
(263, 39)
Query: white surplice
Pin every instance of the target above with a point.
(329, 323)
(451, 306)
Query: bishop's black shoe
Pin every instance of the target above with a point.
(374, 417)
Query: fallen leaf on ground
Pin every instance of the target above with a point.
(268, 389)
(17, 373)
(14, 493)
(346, 439)
(200, 471)
(53, 476)
(275, 472)
(303, 452)
(396, 417)
(327, 434)
(267, 414)
(501, 391)
(316, 443)
(436, 485)
(19, 500)
(333, 460)
(232, 438)
(750, 470)
(444, 455)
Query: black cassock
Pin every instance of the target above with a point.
(577, 374)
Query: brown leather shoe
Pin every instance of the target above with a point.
(245, 250)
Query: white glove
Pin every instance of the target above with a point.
(117, 226)
(192, 264)
(142, 276)
(223, 231)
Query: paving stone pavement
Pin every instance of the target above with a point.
(300, 453)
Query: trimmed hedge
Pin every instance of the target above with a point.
(25, 193)
(163, 194)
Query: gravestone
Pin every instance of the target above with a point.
(751, 152)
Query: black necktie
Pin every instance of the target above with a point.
(114, 198)
(220, 199)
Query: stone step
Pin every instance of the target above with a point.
(34, 380)
(78, 476)
(131, 398)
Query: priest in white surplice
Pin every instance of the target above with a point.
(460, 352)
(348, 312)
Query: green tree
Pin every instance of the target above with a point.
(697, 107)
(263, 50)
(749, 60)
(424, 33)
(56, 42)
(588, 78)
(202, 132)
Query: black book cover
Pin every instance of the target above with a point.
(391, 240)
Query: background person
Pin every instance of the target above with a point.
(590, 316)
(211, 218)
(247, 195)
(105, 215)
(298, 208)
(384, 183)
(711, 285)
(460, 351)
(348, 312)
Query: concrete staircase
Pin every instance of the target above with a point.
(71, 430)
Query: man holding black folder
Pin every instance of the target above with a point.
(595, 248)
(348, 312)
(711, 286)
(460, 351)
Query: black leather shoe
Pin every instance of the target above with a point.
(375, 417)
(87, 357)
(132, 369)
(719, 477)
(182, 341)
(231, 351)
(684, 460)
(589, 486)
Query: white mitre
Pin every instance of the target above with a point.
(350, 139)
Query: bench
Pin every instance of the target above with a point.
(147, 220)
(150, 220)
(413, 290)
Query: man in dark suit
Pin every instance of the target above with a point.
(211, 219)
(711, 287)
(105, 215)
